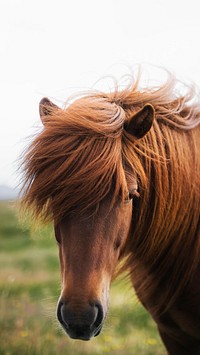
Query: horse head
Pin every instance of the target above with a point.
(91, 244)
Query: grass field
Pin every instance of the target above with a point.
(30, 287)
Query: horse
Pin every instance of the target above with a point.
(118, 175)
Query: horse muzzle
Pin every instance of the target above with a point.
(81, 322)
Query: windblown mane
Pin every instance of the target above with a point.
(80, 156)
(72, 164)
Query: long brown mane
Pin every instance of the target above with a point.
(83, 150)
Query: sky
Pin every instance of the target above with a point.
(56, 48)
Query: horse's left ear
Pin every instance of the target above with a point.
(141, 122)
(45, 108)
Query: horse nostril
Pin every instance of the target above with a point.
(60, 314)
(99, 316)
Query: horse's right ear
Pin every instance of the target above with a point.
(45, 108)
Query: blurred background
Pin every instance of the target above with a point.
(56, 48)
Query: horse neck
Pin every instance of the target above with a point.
(166, 236)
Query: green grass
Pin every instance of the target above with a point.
(30, 287)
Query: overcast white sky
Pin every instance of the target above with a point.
(54, 48)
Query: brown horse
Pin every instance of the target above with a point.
(118, 173)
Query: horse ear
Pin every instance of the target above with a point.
(141, 122)
(45, 108)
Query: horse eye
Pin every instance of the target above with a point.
(131, 195)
